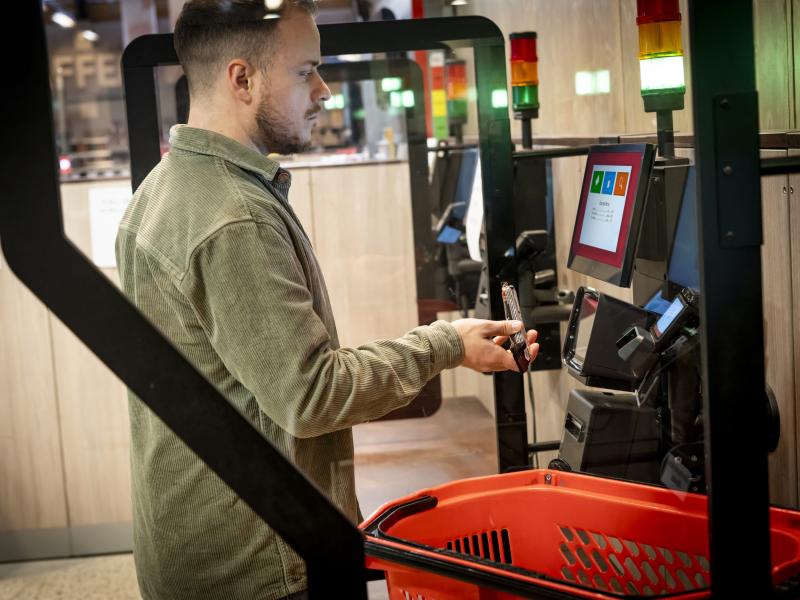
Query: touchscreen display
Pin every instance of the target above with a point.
(668, 318)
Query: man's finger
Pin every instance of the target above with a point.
(533, 335)
(500, 339)
(534, 351)
(493, 328)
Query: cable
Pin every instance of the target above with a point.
(533, 416)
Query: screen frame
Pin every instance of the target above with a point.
(638, 186)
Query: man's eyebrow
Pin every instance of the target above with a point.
(313, 63)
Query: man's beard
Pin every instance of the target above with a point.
(275, 131)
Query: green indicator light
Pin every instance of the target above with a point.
(408, 98)
(499, 99)
(391, 84)
(525, 97)
(457, 110)
(662, 74)
(396, 99)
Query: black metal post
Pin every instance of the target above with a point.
(498, 200)
(666, 134)
(729, 216)
(527, 133)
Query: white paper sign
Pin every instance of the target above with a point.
(106, 208)
(475, 215)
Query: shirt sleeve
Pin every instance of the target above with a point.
(248, 289)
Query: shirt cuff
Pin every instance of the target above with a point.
(447, 349)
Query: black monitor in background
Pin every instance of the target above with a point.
(610, 211)
(684, 270)
(454, 176)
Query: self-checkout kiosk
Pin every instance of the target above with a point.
(636, 227)
(631, 214)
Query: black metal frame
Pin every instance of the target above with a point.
(146, 53)
(89, 305)
(729, 216)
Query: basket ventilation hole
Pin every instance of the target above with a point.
(599, 583)
(632, 588)
(480, 547)
(615, 544)
(667, 555)
(616, 585)
(506, 545)
(667, 576)
(703, 562)
(495, 547)
(584, 559)
(567, 574)
(567, 533)
(687, 583)
(633, 569)
(567, 554)
(485, 544)
(584, 578)
(687, 562)
(648, 591)
(648, 549)
(600, 541)
(632, 547)
(651, 574)
(600, 561)
(583, 535)
(616, 564)
(700, 580)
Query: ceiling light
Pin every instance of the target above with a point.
(89, 35)
(63, 19)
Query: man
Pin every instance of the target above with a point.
(211, 251)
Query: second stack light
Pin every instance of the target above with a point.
(524, 73)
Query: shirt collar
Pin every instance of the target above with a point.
(211, 143)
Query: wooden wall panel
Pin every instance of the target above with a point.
(778, 328)
(568, 41)
(93, 403)
(31, 473)
(794, 237)
(364, 243)
(300, 198)
(774, 77)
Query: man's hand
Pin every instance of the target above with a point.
(482, 340)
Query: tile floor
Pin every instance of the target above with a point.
(393, 458)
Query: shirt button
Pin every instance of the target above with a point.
(283, 177)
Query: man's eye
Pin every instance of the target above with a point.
(306, 74)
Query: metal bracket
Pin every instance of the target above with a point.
(737, 169)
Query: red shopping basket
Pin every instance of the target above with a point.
(552, 534)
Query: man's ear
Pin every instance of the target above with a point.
(240, 79)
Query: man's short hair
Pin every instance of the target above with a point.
(210, 33)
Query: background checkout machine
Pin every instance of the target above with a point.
(636, 227)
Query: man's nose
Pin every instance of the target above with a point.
(323, 92)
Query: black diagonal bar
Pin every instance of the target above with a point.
(35, 248)
(729, 213)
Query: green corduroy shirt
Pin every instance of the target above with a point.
(212, 253)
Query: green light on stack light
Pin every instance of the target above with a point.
(662, 74)
(391, 84)
(589, 83)
(336, 101)
(499, 99)
(408, 98)
(525, 97)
